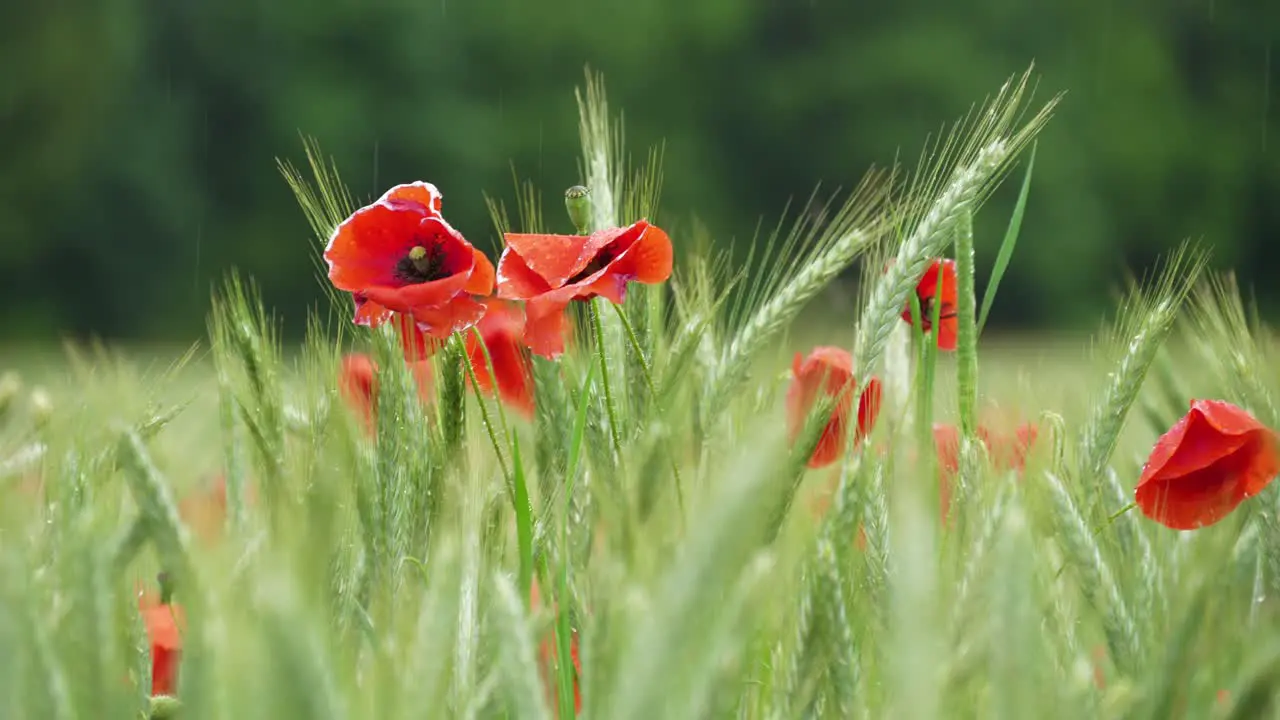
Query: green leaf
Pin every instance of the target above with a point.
(1006, 247)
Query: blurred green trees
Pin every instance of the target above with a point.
(139, 137)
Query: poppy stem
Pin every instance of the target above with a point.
(653, 392)
(1121, 511)
(598, 328)
(516, 486)
(487, 421)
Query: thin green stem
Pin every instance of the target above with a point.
(967, 332)
(516, 484)
(1116, 515)
(653, 393)
(598, 326)
(488, 424)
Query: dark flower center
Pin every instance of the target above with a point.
(598, 263)
(422, 264)
(926, 311)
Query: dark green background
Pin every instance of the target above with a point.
(139, 137)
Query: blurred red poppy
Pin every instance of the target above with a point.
(398, 255)
(820, 504)
(929, 295)
(1209, 462)
(164, 624)
(1009, 451)
(547, 651)
(204, 509)
(359, 384)
(1006, 452)
(946, 442)
(829, 371)
(550, 271)
(502, 330)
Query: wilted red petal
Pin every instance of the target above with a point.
(1210, 461)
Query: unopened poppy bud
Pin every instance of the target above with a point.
(10, 385)
(577, 200)
(41, 406)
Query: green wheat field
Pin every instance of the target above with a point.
(242, 530)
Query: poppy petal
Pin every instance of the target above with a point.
(1215, 457)
(441, 321)
(369, 313)
(482, 275)
(615, 240)
(516, 280)
(409, 297)
(555, 258)
(423, 193)
(649, 260)
(358, 251)
(948, 333)
(828, 370)
(544, 331)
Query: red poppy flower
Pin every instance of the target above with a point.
(205, 509)
(550, 271)
(946, 442)
(1006, 452)
(829, 370)
(928, 293)
(502, 330)
(398, 255)
(1214, 458)
(548, 655)
(1009, 451)
(164, 623)
(359, 384)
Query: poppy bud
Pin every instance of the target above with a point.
(9, 387)
(577, 200)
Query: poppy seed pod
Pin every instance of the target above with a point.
(577, 200)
